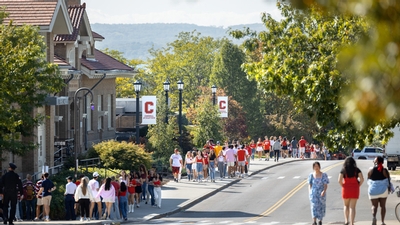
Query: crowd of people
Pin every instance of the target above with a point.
(234, 159)
(87, 199)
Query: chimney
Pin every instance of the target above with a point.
(73, 2)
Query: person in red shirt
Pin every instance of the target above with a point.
(131, 193)
(123, 200)
(241, 159)
(302, 147)
(115, 207)
(253, 149)
(259, 149)
(266, 147)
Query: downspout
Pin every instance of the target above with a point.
(85, 110)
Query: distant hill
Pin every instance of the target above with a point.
(134, 40)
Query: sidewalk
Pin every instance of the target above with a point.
(184, 194)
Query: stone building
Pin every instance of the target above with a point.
(72, 46)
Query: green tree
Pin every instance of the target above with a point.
(373, 63)
(26, 78)
(163, 136)
(300, 55)
(228, 75)
(207, 122)
(122, 155)
(190, 59)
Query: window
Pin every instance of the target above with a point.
(100, 109)
(369, 150)
(89, 114)
(110, 110)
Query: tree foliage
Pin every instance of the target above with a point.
(189, 58)
(228, 75)
(122, 155)
(299, 60)
(163, 136)
(207, 122)
(373, 63)
(26, 78)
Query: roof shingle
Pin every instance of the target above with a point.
(36, 13)
(104, 62)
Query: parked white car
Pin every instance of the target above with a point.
(367, 153)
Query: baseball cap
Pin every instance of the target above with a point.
(95, 174)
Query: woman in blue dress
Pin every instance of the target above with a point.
(318, 183)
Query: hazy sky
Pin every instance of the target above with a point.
(200, 12)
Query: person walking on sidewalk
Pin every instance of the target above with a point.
(188, 165)
(230, 160)
(46, 189)
(69, 199)
(199, 166)
(107, 192)
(10, 187)
(131, 192)
(350, 178)
(157, 182)
(241, 160)
(39, 198)
(115, 214)
(221, 164)
(30, 197)
(266, 147)
(175, 162)
(277, 148)
(212, 159)
(123, 200)
(84, 196)
(94, 188)
(259, 149)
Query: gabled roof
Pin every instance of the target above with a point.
(76, 13)
(104, 62)
(97, 35)
(50, 15)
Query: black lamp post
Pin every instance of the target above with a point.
(138, 86)
(180, 88)
(166, 89)
(77, 123)
(214, 90)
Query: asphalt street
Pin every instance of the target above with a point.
(278, 196)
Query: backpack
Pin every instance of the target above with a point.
(29, 192)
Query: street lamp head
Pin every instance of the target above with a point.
(180, 85)
(137, 85)
(214, 89)
(92, 106)
(166, 85)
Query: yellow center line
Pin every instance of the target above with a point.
(288, 196)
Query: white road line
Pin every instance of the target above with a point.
(224, 222)
(264, 178)
(296, 177)
(281, 177)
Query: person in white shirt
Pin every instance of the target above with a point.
(188, 164)
(94, 188)
(84, 196)
(175, 162)
(69, 201)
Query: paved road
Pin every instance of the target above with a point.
(277, 196)
(274, 193)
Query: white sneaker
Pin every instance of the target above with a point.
(81, 219)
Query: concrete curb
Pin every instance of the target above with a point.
(196, 201)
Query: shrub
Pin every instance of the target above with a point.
(122, 155)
